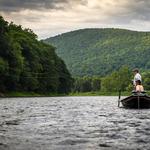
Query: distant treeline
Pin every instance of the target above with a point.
(87, 84)
(27, 64)
(118, 80)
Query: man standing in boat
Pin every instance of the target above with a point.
(137, 77)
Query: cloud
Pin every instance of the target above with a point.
(133, 10)
(17, 5)
(51, 17)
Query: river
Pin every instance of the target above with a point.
(72, 123)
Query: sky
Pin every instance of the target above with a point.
(48, 18)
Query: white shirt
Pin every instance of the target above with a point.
(136, 78)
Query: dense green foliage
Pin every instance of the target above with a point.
(117, 80)
(146, 80)
(121, 79)
(99, 52)
(87, 84)
(27, 64)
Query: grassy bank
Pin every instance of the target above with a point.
(33, 94)
(99, 94)
(29, 94)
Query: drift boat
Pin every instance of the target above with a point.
(137, 101)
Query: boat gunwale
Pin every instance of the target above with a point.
(135, 96)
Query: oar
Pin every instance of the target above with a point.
(119, 98)
(138, 102)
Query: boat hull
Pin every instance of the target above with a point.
(136, 101)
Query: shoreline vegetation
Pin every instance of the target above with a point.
(32, 68)
(33, 94)
(29, 65)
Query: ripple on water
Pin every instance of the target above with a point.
(3, 146)
(73, 142)
(104, 145)
(11, 122)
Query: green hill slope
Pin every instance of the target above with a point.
(29, 65)
(101, 51)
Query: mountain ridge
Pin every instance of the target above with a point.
(123, 29)
(99, 51)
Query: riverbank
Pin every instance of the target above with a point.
(33, 94)
(99, 94)
(29, 94)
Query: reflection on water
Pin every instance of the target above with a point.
(72, 123)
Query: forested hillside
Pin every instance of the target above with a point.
(27, 64)
(102, 51)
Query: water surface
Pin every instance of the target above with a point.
(72, 123)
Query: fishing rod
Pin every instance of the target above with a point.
(119, 98)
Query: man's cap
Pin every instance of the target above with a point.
(136, 70)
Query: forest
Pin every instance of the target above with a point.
(27, 64)
(120, 80)
(99, 52)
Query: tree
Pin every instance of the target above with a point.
(118, 80)
(146, 80)
(96, 84)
